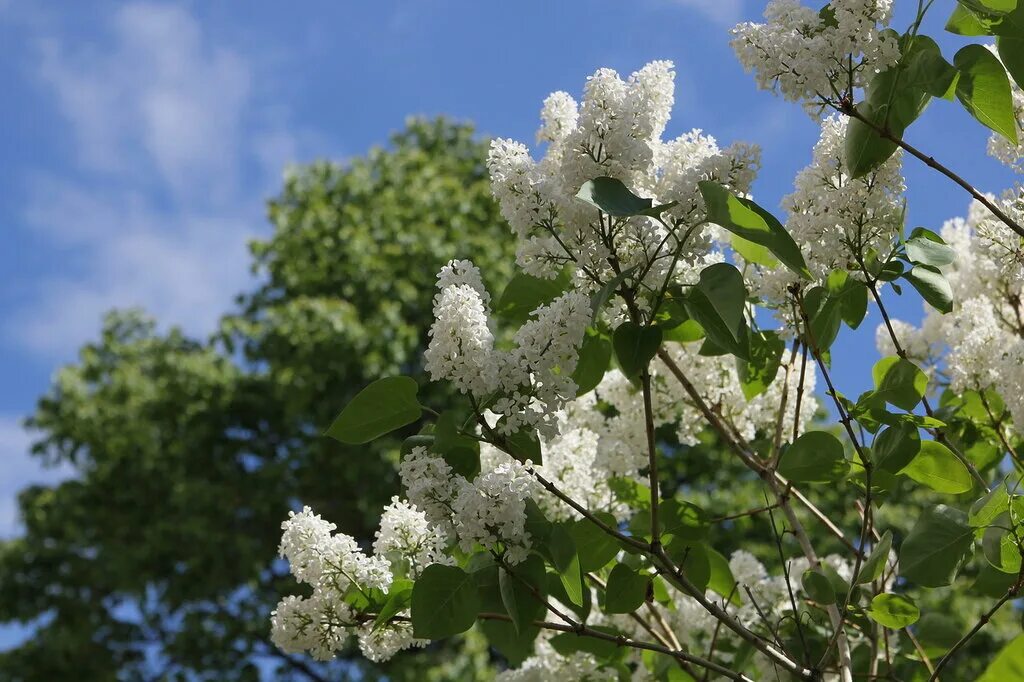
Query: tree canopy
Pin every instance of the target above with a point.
(156, 560)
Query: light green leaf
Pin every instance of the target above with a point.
(383, 406)
(938, 468)
(924, 246)
(1008, 663)
(894, 611)
(932, 286)
(984, 90)
(818, 587)
(899, 382)
(999, 545)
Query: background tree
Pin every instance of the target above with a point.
(156, 561)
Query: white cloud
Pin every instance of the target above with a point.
(172, 155)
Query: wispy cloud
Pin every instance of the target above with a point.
(173, 152)
(722, 12)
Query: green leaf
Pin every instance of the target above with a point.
(461, 452)
(525, 293)
(635, 346)
(818, 587)
(613, 197)
(826, 314)
(938, 468)
(594, 547)
(383, 406)
(999, 545)
(894, 611)
(520, 601)
(873, 566)
(420, 440)
(524, 445)
(626, 590)
(932, 286)
(567, 562)
(1011, 53)
(964, 22)
(984, 90)
(852, 295)
(398, 600)
(516, 646)
(693, 559)
(895, 447)
(899, 382)
(444, 602)
(722, 580)
(717, 302)
(759, 372)
(749, 221)
(924, 246)
(814, 457)
(937, 547)
(753, 253)
(683, 520)
(594, 358)
(1008, 663)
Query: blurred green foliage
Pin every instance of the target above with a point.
(157, 559)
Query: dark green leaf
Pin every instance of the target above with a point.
(594, 546)
(635, 346)
(569, 643)
(594, 358)
(999, 545)
(873, 566)
(932, 286)
(444, 602)
(818, 587)
(1011, 53)
(938, 545)
(517, 586)
(717, 302)
(567, 562)
(613, 197)
(525, 293)
(759, 372)
(383, 406)
(896, 446)
(815, 457)
(746, 219)
(460, 451)
(626, 590)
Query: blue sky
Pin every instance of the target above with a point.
(141, 140)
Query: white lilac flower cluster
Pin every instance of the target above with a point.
(335, 567)
(532, 380)
(983, 337)
(489, 511)
(837, 221)
(806, 54)
(616, 132)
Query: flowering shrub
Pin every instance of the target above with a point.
(657, 303)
